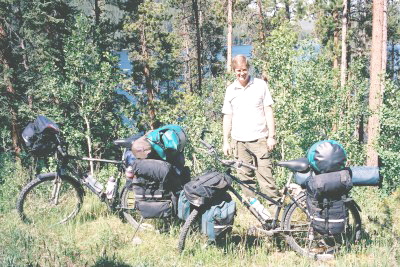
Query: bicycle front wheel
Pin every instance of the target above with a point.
(50, 199)
(297, 222)
(187, 228)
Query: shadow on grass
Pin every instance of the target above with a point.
(109, 262)
(249, 242)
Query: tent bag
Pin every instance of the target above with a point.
(365, 176)
(331, 185)
(327, 156)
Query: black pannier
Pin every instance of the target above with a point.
(206, 186)
(326, 201)
(161, 173)
(154, 209)
(328, 217)
(155, 187)
(40, 136)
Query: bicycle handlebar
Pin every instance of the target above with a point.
(237, 164)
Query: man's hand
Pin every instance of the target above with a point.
(271, 142)
(227, 149)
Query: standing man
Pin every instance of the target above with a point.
(249, 120)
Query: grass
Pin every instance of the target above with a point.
(98, 238)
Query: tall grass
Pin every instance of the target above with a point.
(98, 238)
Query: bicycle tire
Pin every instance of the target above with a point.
(131, 215)
(322, 247)
(36, 202)
(186, 228)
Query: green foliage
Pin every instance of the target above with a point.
(389, 145)
(82, 100)
(309, 105)
(197, 113)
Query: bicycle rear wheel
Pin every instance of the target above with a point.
(50, 199)
(297, 221)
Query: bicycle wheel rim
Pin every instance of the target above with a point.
(321, 247)
(49, 201)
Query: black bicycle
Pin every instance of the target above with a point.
(293, 223)
(56, 197)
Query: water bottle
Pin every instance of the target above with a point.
(264, 213)
(110, 187)
(93, 184)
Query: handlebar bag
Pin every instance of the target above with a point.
(206, 186)
(40, 136)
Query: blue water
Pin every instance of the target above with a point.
(126, 66)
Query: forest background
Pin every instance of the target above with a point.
(59, 59)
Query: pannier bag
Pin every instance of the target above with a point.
(150, 200)
(40, 136)
(329, 185)
(151, 169)
(365, 176)
(205, 187)
(326, 201)
(218, 219)
(183, 206)
(161, 172)
(327, 156)
(154, 209)
(328, 217)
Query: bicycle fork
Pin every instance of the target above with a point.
(56, 190)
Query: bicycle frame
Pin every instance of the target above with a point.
(278, 204)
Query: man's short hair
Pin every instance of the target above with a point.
(239, 59)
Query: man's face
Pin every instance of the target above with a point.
(241, 73)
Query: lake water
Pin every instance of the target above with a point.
(125, 64)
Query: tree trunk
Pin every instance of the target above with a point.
(335, 39)
(195, 8)
(148, 80)
(89, 142)
(287, 10)
(377, 71)
(6, 61)
(229, 38)
(188, 59)
(261, 19)
(343, 65)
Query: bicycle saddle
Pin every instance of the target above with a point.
(296, 165)
(127, 142)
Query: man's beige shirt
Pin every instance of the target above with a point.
(246, 105)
